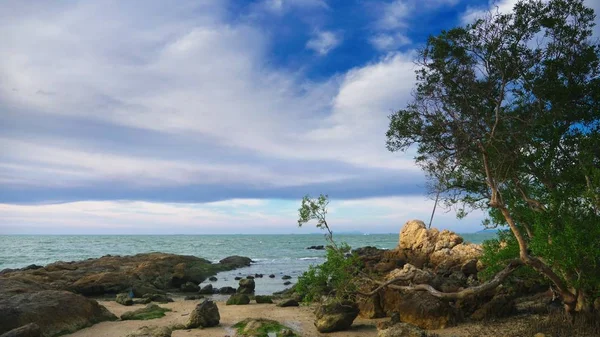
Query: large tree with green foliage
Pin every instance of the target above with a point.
(506, 119)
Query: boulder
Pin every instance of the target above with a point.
(143, 300)
(206, 314)
(152, 331)
(29, 330)
(124, 299)
(247, 286)
(500, 305)
(287, 283)
(272, 276)
(258, 275)
(160, 298)
(238, 299)
(335, 316)
(290, 302)
(402, 330)
(150, 311)
(263, 299)
(250, 277)
(227, 290)
(419, 308)
(237, 278)
(319, 247)
(190, 287)
(286, 277)
(469, 268)
(370, 307)
(55, 312)
(207, 289)
(236, 261)
(212, 279)
(257, 327)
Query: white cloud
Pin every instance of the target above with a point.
(394, 14)
(386, 42)
(324, 41)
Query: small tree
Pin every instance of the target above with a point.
(506, 119)
(335, 276)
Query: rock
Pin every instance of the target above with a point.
(411, 274)
(419, 308)
(263, 299)
(402, 330)
(539, 334)
(236, 261)
(335, 316)
(371, 307)
(207, 289)
(206, 314)
(160, 298)
(286, 277)
(237, 278)
(124, 299)
(193, 297)
(52, 310)
(212, 279)
(290, 302)
(144, 300)
(287, 283)
(140, 289)
(28, 330)
(227, 290)
(320, 247)
(189, 287)
(430, 247)
(238, 299)
(256, 327)
(247, 286)
(250, 277)
(258, 275)
(152, 331)
(499, 306)
(469, 268)
(272, 276)
(150, 311)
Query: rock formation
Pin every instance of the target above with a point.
(206, 314)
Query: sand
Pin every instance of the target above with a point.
(299, 318)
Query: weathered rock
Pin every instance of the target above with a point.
(263, 299)
(140, 289)
(286, 277)
(207, 289)
(319, 247)
(402, 330)
(237, 278)
(55, 312)
(29, 330)
(193, 297)
(152, 331)
(255, 327)
(290, 302)
(246, 286)
(250, 277)
(238, 299)
(144, 300)
(212, 279)
(370, 307)
(499, 306)
(335, 316)
(258, 275)
(469, 268)
(429, 247)
(237, 261)
(411, 274)
(190, 287)
(227, 290)
(419, 308)
(148, 312)
(124, 299)
(160, 298)
(287, 283)
(206, 314)
(272, 276)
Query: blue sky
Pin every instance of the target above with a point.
(211, 116)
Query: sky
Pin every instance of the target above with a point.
(212, 116)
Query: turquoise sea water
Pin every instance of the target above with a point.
(273, 254)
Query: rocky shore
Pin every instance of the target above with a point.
(111, 296)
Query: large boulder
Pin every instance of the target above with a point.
(238, 299)
(236, 261)
(419, 308)
(335, 316)
(55, 312)
(206, 314)
(29, 330)
(443, 250)
(152, 331)
(246, 286)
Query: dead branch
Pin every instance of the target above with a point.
(491, 284)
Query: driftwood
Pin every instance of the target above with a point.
(491, 284)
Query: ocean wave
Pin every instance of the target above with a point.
(310, 258)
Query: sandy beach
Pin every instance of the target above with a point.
(298, 318)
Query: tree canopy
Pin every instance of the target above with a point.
(506, 119)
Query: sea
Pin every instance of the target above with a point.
(272, 254)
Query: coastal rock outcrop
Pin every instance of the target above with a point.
(55, 312)
(335, 316)
(236, 261)
(206, 314)
(29, 330)
(246, 286)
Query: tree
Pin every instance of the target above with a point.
(506, 119)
